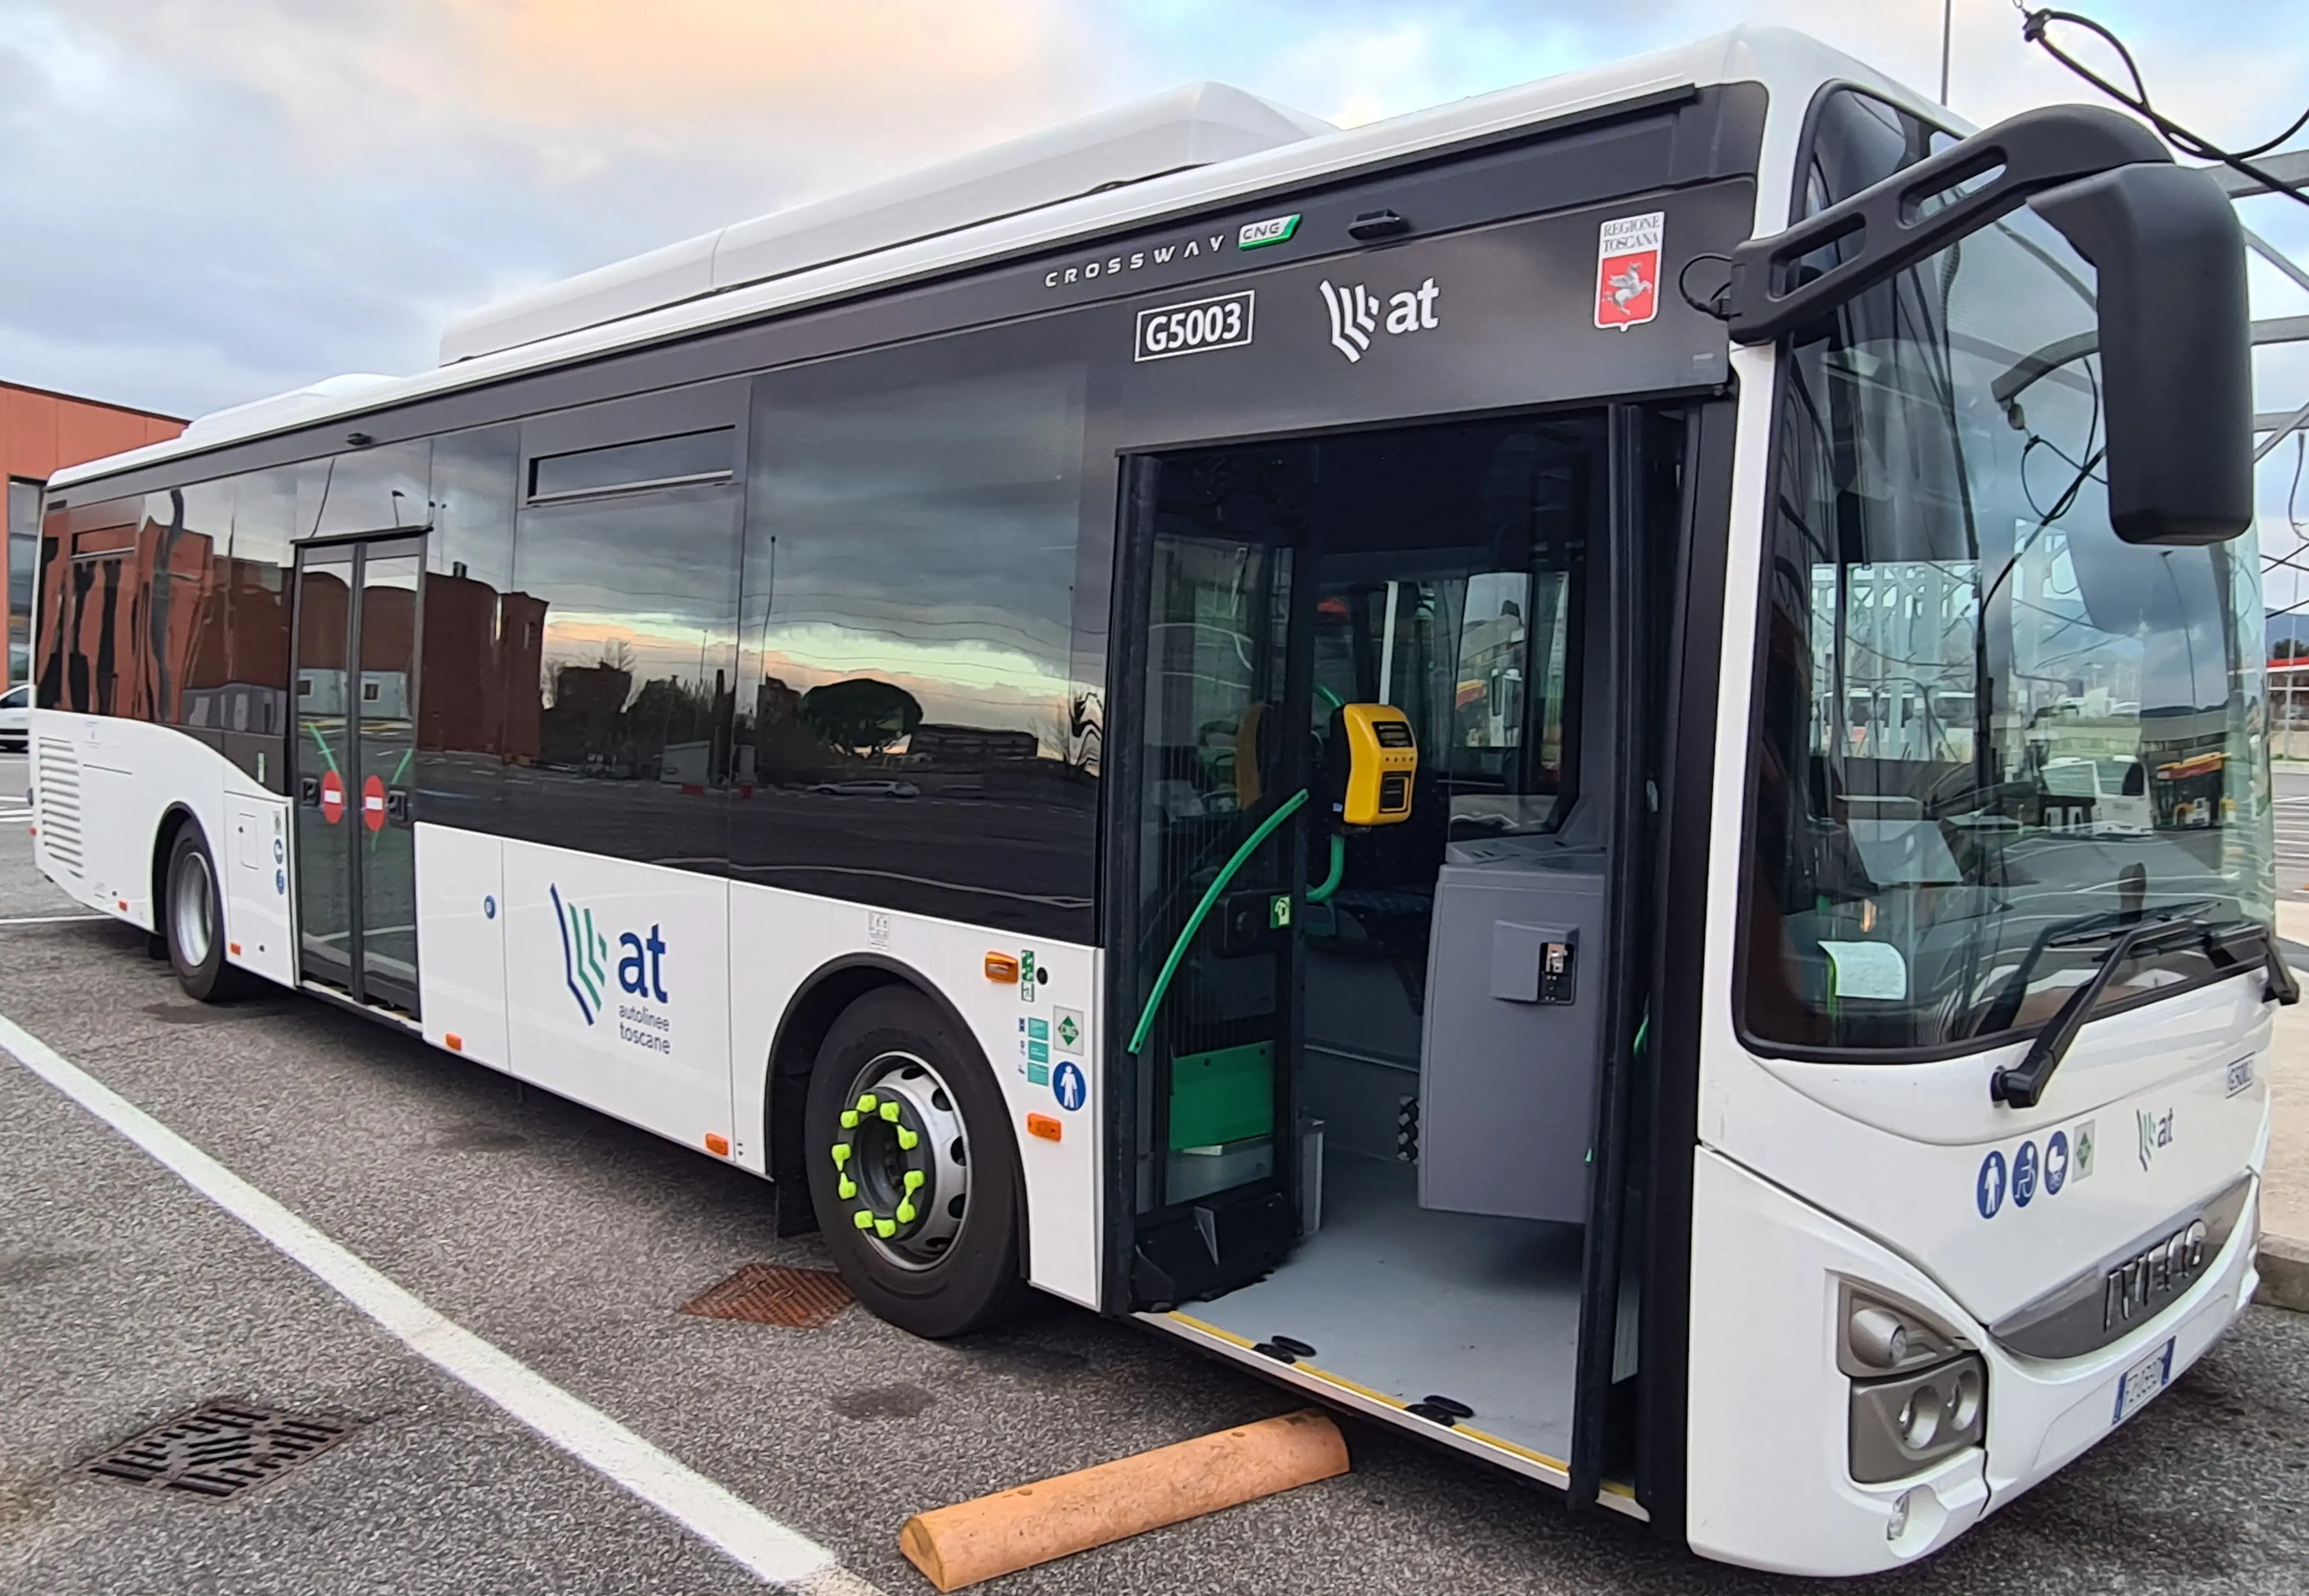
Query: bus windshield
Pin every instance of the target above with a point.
(1986, 725)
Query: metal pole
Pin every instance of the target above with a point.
(1948, 19)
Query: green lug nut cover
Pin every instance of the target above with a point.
(885, 1227)
(845, 1188)
(865, 1104)
(841, 1154)
(862, 1220)
(914, 1178)
(890, 1112)
(849, 1119)
(905, 1213)
(907, 1140)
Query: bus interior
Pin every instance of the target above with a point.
(1366, 1083)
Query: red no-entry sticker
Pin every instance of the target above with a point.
(372, 803)
(332, 796)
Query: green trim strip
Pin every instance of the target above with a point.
(1283, 812)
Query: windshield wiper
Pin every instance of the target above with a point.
(2024, 1087)
(2083, 931)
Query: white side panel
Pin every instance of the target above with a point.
(255, 871)
(779, 939)
(461, 941)
(101, 787)
(617, 986)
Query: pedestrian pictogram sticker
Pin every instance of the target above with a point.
(332, 796)
(1988, 1188)
(372, 803)
(1067, 1086)
(1628, 270)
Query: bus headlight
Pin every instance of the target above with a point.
(1919, 1393)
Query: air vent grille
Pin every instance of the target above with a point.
(57, 791)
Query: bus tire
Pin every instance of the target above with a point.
(951, 1263)
(192, 921)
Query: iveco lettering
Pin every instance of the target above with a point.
(1451, 760)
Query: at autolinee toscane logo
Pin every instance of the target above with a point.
(585, 956)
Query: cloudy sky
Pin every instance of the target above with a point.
(210, 200)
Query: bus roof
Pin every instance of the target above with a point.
(1221, 145)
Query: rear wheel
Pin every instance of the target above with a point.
(911, 1168)
(192, 921)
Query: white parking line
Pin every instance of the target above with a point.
(783, 1558)
(53, 920)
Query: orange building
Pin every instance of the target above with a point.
(40, 433)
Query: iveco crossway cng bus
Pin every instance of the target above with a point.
(1438, 757)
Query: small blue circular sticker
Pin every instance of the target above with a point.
(489, 906)
(280, 883)
(1067, 1086)
(2024, 1175)
(280, 851)
(1988, 1191)
(2056, 1162)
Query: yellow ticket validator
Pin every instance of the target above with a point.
(1382, 757)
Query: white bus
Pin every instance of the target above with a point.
(979, 701)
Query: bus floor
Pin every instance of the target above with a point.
(1416, 1303)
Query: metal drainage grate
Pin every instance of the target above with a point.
(220, 1449)
(768, 1294)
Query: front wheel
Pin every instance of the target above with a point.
(911, 1168)
(192, 921)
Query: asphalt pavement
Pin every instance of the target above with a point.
(569, 1240)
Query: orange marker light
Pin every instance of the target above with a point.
(1044, 1127)
(124, 905)
(233, 948)
(717, 1144)
(1000, 966)
(455, 1043)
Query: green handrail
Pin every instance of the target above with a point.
(1283, 811)
(1319, 894)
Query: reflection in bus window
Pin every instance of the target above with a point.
(1984, 718)
(633, 603)
(907, 717)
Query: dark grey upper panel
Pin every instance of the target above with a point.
(1700, 137)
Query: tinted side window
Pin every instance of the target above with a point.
(480, 639)
(252, 710)
(189, 531)
(905, 708)
(89, 602)
(370, 490)
(626, 607)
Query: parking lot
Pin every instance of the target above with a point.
(568, 1241)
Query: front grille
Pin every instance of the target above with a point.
(57, 803)
(2127, 1290)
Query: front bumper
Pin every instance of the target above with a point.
(1769, 1484)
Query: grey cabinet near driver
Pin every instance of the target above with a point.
(1512, 1042)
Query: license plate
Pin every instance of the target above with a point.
(2142, 1381)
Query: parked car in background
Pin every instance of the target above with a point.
(16, 716)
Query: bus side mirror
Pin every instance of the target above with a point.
(2176, 333)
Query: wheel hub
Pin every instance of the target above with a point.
(192, 908)
(901, 1160)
